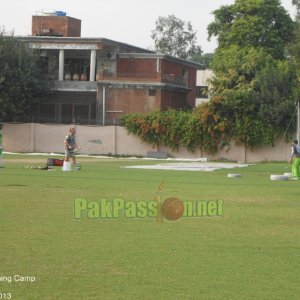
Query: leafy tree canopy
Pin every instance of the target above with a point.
(175, 37)
(297, 4)
(294, 46)
(205, 59)
(256, 23)
(23, 77)
(254, 83)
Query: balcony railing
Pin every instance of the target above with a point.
(138, 75)
(171, 78)
(158, 77)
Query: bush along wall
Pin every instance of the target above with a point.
(210, 126)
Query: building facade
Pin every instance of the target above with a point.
(202, 86)
(97, 80)
(56, 24)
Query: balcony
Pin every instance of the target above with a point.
(172, 79)
(142, 77)
(91, 86)
(76, 86)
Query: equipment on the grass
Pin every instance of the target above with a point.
(279, 177)
(38, 168)
(55, 162)
(233, 175)
(67, 166)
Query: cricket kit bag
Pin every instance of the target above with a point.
(55, 162)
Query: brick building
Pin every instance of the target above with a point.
(56, 24)
(98, 80)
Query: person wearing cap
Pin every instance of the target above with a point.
(295, 159)
(70, 147)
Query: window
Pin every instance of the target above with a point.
(201, 92)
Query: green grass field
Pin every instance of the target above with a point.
(252, 252)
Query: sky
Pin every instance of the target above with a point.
(127, 21)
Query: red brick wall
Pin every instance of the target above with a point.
(192, 85)
(127, 65)
(138, 100)
(169, 67)
(65, 26)
(130, 100)
(173, 100)
(74, 27)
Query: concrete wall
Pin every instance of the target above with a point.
(203, 76)
(202, 80)
(31, 137)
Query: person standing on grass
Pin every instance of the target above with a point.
(71, 146)
(295, 158)
(1, 147)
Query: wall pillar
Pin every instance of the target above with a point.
(32, 138)
(61, 64)
(99, 106)
(93, 65)
(158, 65)
(104, 105)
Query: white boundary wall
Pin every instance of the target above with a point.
(34, 137)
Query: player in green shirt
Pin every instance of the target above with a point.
(295, 159)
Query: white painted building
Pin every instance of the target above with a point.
(202, 91)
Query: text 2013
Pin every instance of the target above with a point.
(5, 296)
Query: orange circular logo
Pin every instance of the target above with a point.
(172, 209)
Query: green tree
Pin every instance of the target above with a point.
(256, 23)
(276, 88)
(297, 4)
(257, 84)
(175, 37)
(205, 59)
(236, 66)
(294, 46)
(23, 77)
